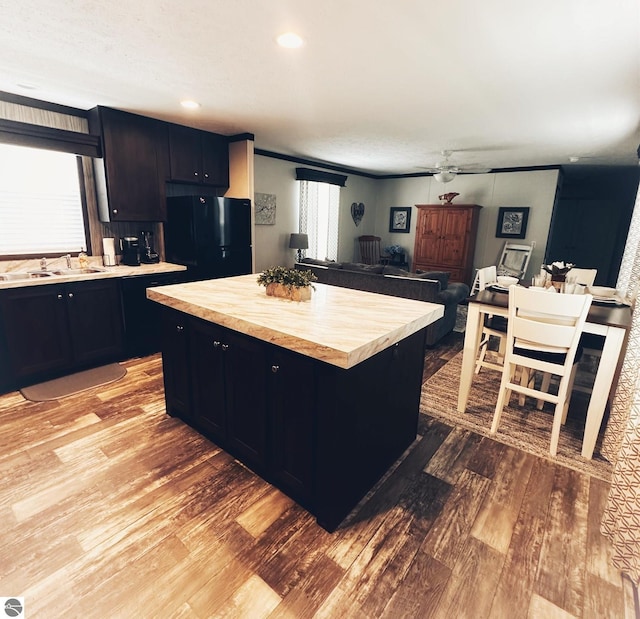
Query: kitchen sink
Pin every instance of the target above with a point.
(16, 276)
(24, 275)
(85, 271)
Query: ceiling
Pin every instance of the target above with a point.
(378, 87)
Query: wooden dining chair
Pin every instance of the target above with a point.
(543, 334)
(369, 249)
(495, 326)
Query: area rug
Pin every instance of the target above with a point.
(74, 383)
(523, 427)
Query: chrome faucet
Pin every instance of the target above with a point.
(43, 264)
(68, 259)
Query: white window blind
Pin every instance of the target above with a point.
(40, 202)
(319, 210)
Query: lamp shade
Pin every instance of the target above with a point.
(298, 241)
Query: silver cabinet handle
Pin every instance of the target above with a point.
(179, 328)
(225, 347)
(115, 211)
(59, 296)
(71, 295)
(195, 174)
(275, 368)
(216, 344)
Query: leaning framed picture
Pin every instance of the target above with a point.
(512, 222)
(400, 219)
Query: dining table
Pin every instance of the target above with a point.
(610, 320)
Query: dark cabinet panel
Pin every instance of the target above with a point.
(141, 316)
(54, 329)
(207, 366)
(36, 330)
(215, 159)
(130, 177)
(198, 156)
(245, 366)
(293, 400)
(229, 390)
(95, 320)
(175, 363)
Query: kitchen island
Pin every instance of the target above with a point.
(319, 398)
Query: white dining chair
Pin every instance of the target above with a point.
(543, 334)
(495, 326)
(584, 277)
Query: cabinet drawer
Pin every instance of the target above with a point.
(455, 275)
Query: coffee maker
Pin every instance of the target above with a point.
(147, 253)
(130, 251)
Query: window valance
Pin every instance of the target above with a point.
(318, 176)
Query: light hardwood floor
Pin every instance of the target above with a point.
(110, 508)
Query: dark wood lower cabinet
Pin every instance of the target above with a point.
(322, 434)
(176, 361)
(56, 329)
(223, 407)
(141, 316)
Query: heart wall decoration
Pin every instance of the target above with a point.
(357, 212)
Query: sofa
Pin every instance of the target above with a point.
(433, 286)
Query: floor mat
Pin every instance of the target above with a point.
(74, 383)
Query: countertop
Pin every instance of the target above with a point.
(106, 272)
(339, 326)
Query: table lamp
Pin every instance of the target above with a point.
(298, 241)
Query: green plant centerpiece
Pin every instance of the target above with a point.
(287, 283)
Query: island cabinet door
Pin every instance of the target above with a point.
(175, 363)
(207, 362)
(292, 401)
(245, 377)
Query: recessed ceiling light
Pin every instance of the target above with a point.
(189, 104)
(573, 159)
(290, 40)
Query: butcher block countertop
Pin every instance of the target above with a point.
(339, 326)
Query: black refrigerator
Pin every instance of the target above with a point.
(211, 236)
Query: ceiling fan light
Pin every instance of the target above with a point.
(444, 177)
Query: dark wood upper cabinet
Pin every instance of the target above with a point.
(130, 176)
(198, 157)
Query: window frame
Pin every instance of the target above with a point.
(83, 205)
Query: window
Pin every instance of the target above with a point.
(41, 209)
(319, 218)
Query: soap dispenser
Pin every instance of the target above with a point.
(83, 259)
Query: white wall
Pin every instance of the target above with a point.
(272, 241)
(535, 189)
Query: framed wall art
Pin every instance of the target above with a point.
(400, 219)
(512, 222)
(265, 208)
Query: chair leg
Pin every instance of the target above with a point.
(503, 396)
(559, 413)
(502, 347)
(525, 378)
(546, 383)
(572, 378)
(483, 351)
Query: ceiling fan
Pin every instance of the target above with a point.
(444, 171)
